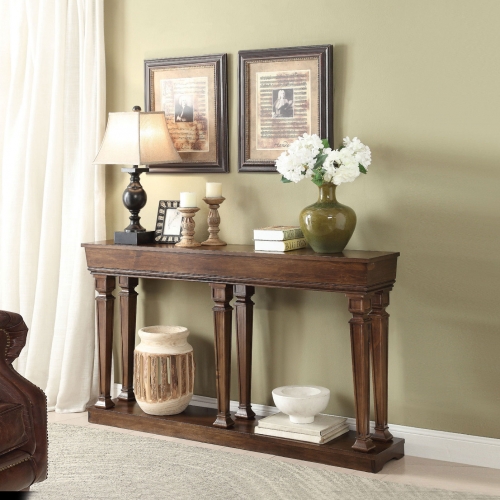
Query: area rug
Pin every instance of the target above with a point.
(93, 463)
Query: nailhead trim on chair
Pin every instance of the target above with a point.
(7, 345)
(12, 465)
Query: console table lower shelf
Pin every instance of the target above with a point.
(196, 423)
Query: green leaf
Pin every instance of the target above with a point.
(362, 169)
(284, 180)
(317, 178)
(320, 160)
(325, 143)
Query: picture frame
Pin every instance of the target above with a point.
(192, 92)
(168, 222)
(283, 93)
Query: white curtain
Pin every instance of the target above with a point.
(52, 116)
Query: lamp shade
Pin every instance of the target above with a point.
(136, 138)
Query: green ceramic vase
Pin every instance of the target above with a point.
(327, 224)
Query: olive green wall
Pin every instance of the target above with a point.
(419, 83)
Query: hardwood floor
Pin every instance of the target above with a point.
(410, 470)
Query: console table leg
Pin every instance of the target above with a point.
(105, 302)
(244, 333)
(380, 359)
(128, 312)
(222, 295)
(360, 306)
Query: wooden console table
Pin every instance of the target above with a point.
(366, 278)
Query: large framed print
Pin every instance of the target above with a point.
(192, 92)
(283, 93)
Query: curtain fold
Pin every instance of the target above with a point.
(52, 198)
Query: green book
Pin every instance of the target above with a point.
(280, 246)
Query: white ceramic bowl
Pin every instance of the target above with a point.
(301, 402)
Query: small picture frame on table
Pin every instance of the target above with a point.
(192, 92)
(283, 93)
(168, 222)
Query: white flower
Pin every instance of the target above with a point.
(361, 153)
(308, 174)
(345, 173)
(333, 157)
(365, 158)
(289, 168)
(310, 143)
(329, 172)
(340, 165)
(347, 158)
(296, 163)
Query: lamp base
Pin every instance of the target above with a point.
(129, 238)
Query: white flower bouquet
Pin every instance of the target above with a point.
(309, 157)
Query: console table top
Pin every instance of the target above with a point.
(351, 270)
(247, 250)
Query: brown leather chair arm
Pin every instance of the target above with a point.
(16, 332)
(14, 388)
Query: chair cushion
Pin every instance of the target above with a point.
(12, 432)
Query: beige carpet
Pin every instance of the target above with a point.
(91, 463)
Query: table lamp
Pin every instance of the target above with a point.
(136, 138)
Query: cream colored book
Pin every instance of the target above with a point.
(322, 425)
(280, 246)
(303, 437)
(277, 233)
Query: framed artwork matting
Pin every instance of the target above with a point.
(192, 92)
(283, 93)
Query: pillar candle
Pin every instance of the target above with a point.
(188, 200)
(214, 190)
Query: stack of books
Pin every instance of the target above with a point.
(323, 429)
(279, 238)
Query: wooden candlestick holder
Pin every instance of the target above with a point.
(214, 221)
(188, 224)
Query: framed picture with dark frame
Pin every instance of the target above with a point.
(283, 93)
(168, 222)
(192, 92)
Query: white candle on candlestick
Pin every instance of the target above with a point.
(214, 190)
(188, 200)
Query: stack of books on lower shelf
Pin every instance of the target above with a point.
(279, 238)
(323, 429)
